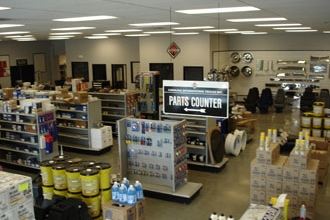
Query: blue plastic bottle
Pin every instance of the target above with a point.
(139, 190)
(131, 196)
(122, 194)
(115, 192)
(126, 182)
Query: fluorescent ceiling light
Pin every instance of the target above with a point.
(300, 30)
(277, 25)
(193, 28)
(64, 33)
(10, 25)
(186, 33)
(107, 34)
(154, 24)
(137, 35)
(58, 38)
(4, 8)
(256, 19)
(67, 36)
(158, 32)
(87, 18)
(18, 36)
(254, 33)
(238, 32)
(292, 28)
(124, 30)
(96, 37)
(218, 10)
(14, 32)
(25, 39)
(220, 30)
(72, 28)
(326, 32)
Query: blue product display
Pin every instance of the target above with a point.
(122, 194)
(115, 192)
(125, 181)
(131, 196)
(139, 190)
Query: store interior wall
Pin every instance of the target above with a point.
(194, 51)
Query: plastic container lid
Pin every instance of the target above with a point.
(89, 171)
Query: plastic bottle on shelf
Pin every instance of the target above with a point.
(222, 217)
(131, 195)
(122, 194)
(214, 216)
(302, 212)
(115, 192)
(230, 217)
(139, 190)
(125, 181)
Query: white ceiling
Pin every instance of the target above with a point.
(37, 15)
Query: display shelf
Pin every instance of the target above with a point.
(154, 152)
(75, 121)
(23, 137)
(116, 106)
(197, 128)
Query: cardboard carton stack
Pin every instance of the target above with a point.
(320, 151)
(112, 210)
(16, 196)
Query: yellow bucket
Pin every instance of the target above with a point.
(105, 195)
(326, 122)
(306, 119)
(61, 192)
(87, 163)
(61, 158)
(317, 133)
(48, 192)
(90, 181)
(318, 108)
(326, 133)
(59, 176)
(317, 122)
(73, 161)
(73, 179)
(94, 205)
(74, 195)
(307, 130)
(104, 171)
(47, 173)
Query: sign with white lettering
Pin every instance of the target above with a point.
(200, 98)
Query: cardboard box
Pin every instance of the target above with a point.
(268, 157)
(274, 186)
(310, 175)
(308, 192)
(101, 137)
(140, 209)
(323, 175)
(258, 184)
(298, 160)
(321, 152)
(113, 211)
(257, 170)
(257, 197)
(80, 97)
(274, 171)
(290, 188)
(8, 93)
(290, 174)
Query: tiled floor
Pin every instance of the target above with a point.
(226, 191)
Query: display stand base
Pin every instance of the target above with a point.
(84, 150)
(185, 194)
(207, 167)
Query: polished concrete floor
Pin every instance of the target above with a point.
(226, 191)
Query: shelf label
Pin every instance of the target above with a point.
(199, 98)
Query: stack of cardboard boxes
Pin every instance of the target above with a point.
(16, 196)
(296, 176)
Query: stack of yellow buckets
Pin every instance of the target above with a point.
(72, 178)
(316, 123)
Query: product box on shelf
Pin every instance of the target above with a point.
(274, 171)
(101, 137)
(114, 211)
(307, 192)
(8, 93)
(258, 183)
(290, 188)
(257, 196)
(290, 174)
(80, 97)
(268, 156)
(310, 175)
(299, 160)
(274, 186)
(257, 170)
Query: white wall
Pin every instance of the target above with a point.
(195, 51)
(109, 51)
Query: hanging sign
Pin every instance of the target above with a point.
(199, 98)
(173, 50)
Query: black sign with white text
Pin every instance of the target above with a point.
(201, 98)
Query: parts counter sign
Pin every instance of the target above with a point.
(200, 98)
